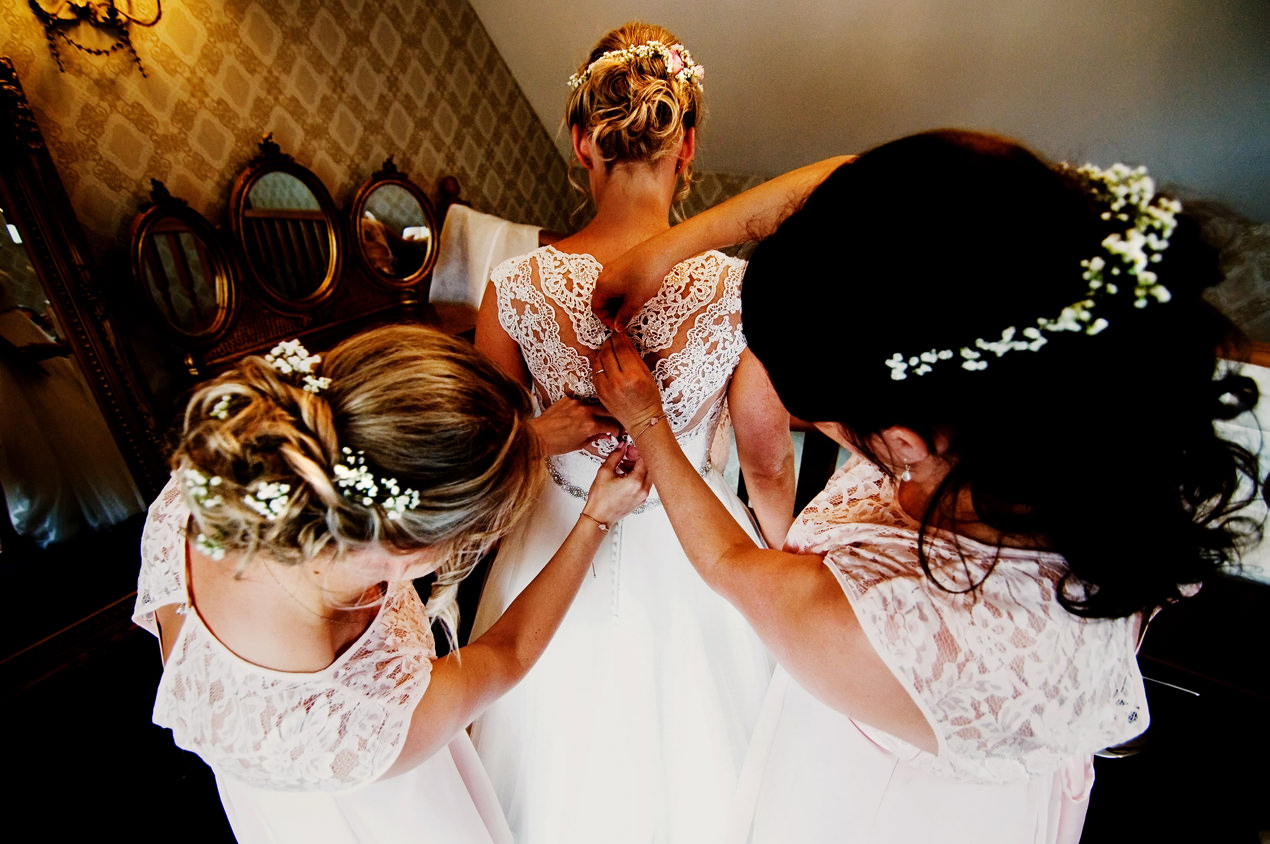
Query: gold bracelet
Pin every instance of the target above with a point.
(601, 525)
(651, 423)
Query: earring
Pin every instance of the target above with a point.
(906, 475)
(679, 165)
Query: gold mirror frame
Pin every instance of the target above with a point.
(88, 610)
(390, 175)
(273, 160)
(33, 194)
(147, 227)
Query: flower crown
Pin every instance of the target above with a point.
(679, 63)
(1130, 196)
(270, 499)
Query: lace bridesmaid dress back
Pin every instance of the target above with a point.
(299, 756)
(633, 725)
(1018, 691)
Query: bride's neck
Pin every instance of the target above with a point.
(632, 204)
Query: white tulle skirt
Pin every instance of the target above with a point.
(634, 725)
(60, 469)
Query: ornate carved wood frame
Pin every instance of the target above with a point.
(36, 202)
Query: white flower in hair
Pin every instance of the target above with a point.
(268, 499)
(1129, 194)
(360, 485)
(679, 62)
(201, 488)
(291, 358)
(209, 546)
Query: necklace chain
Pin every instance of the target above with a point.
(328, 619)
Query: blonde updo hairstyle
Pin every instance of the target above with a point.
(425, 408)
(633, 109)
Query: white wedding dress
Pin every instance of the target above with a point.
(634, 724)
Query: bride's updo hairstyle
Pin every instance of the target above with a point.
(259, 454)
(636, 108)
(1097, 443)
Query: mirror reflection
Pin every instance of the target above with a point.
(62, 476)
(180, 276)
(287, 236)
(394, 232)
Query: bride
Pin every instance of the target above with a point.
(634, 724)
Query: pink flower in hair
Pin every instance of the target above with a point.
(676, 63)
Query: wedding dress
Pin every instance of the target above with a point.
(61, 472)
(634, 724)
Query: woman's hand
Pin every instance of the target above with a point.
(628, 281)
(614, 495)
(571, 424)
(625, 385)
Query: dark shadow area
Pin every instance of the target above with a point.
(89, 762)
(1201, 773)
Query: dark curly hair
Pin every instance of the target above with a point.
(1101, 448)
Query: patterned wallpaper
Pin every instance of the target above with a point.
(713, 188)
(341, 84)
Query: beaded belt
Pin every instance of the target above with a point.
(578, 492)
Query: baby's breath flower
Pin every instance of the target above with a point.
(268, 499)
(291, 358)
(361, 486)
(679, 63)
(201, 488)
(209, 546)
(1129, 194)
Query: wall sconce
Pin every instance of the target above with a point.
(96, 27)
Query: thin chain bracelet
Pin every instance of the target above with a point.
(651, 423)
(601, 525)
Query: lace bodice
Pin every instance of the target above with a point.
(329, 730)
(1012, 684)
(689, 334)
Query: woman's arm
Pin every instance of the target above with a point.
(793, 602)
(764, 448)
(627, 282)
(465, 682)
(565, 426)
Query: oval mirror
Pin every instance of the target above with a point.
(181, 267)
(284, 224)
(395, 228)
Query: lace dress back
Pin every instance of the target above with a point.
(333, 729)
(300, 756)
(1019, 692)
(689, 334)
(632, 726)
(1011, 682)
